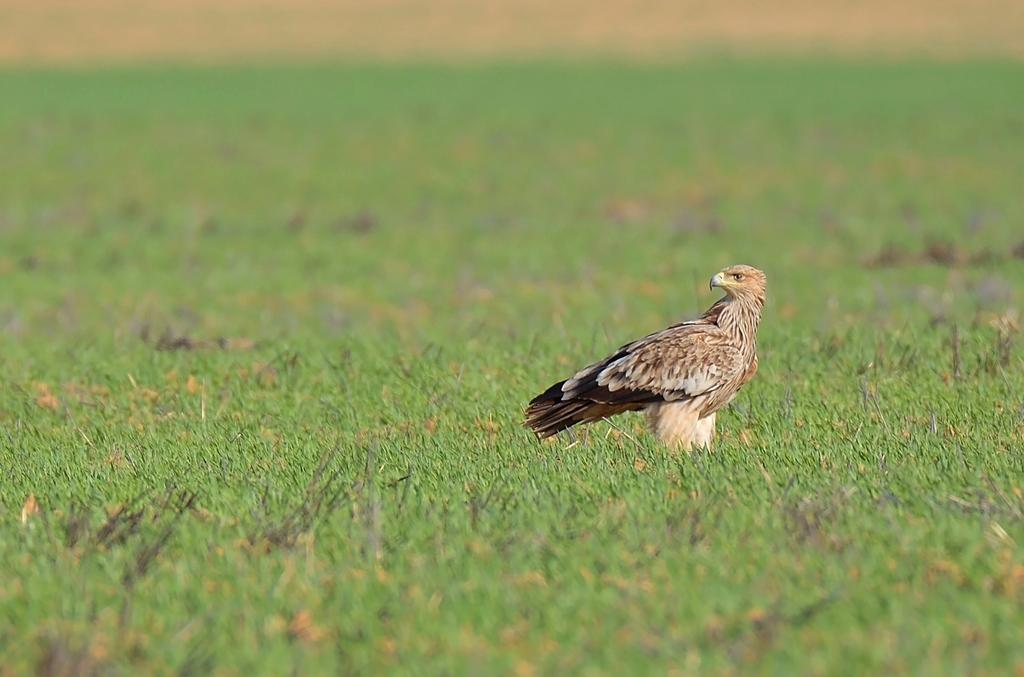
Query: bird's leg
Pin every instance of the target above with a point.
(675, 423)
(704, 432)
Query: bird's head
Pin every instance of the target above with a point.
(743, 282)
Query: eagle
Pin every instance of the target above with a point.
(680, 376)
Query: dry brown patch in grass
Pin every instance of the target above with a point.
(36, 31)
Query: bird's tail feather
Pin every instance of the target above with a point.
(548, 414)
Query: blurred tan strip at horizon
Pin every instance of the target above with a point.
(90, 31)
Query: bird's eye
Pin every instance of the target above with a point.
(737, 276)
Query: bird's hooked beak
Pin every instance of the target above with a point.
(717, 281)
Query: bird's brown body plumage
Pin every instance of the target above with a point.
(681, 376)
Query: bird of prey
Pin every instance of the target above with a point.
(681, 376)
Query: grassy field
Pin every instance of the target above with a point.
(266, 335)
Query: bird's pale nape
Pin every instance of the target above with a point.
(681, 376)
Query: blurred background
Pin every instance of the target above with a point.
(108, 31)
(361, 162)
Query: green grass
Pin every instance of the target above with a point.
(368, 271)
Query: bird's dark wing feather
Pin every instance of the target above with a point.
(684, 361)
